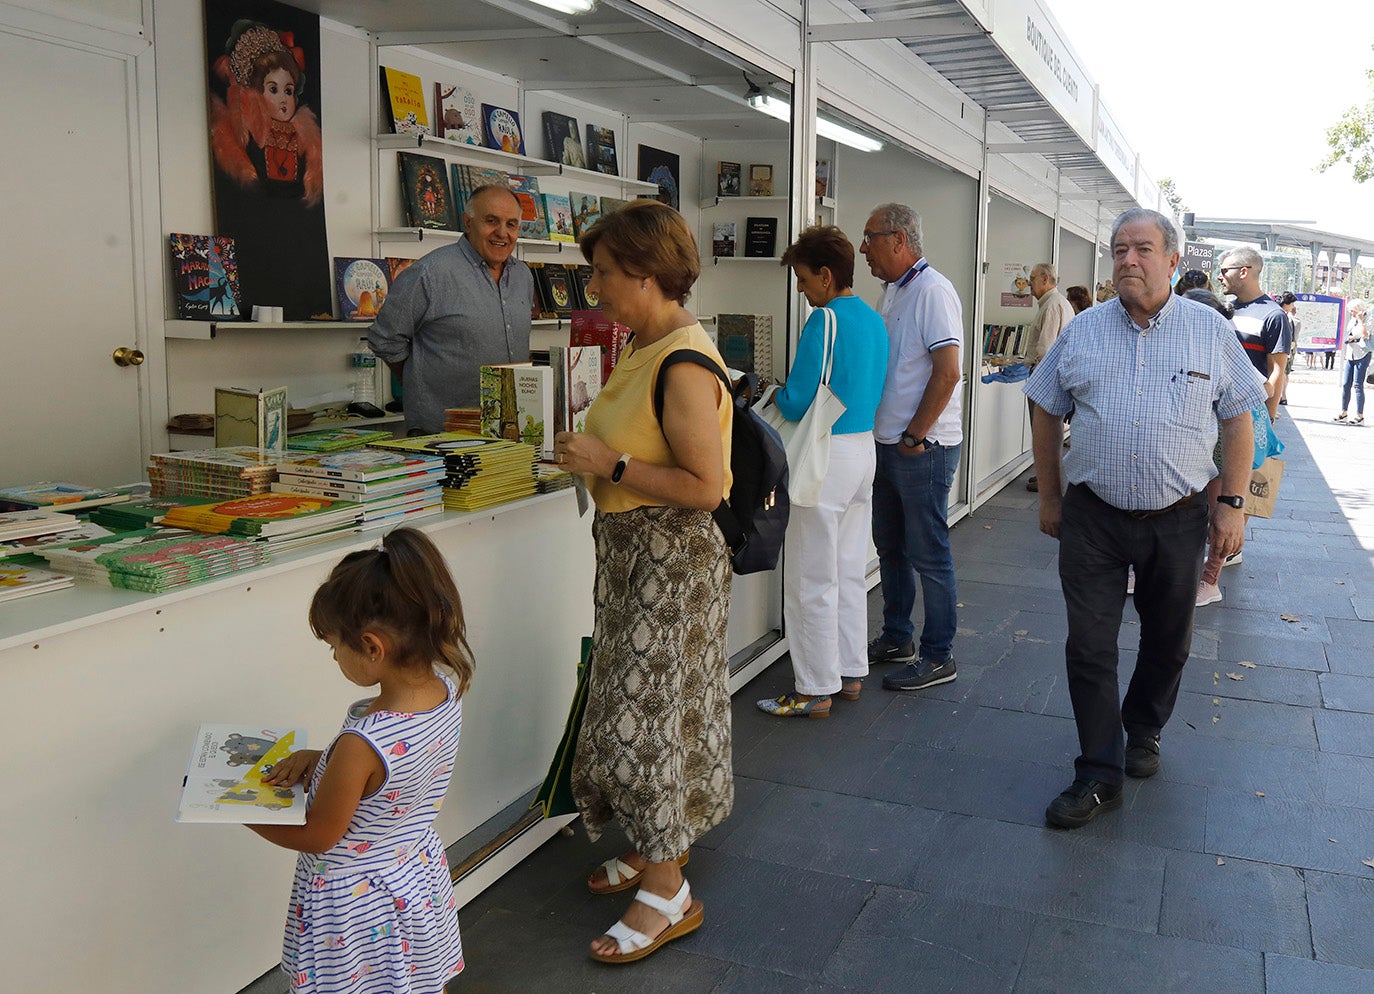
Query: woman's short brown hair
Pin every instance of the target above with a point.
(824, 247)
(648, 238)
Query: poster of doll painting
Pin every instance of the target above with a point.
(268, 168)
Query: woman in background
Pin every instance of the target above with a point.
(825, 599)
(1079, 297)
(1356, 355)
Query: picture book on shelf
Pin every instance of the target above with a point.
(457, 116)
(562, 291)
(223, 782)
(395, 267)
(425, 192)
(609, 205)
(562, 140)
(595, 328)
(660, 166)
(586, 211)
(534, 223)
(61, 496)
(760, 180)
(361, 286)
(80, 531)
(541, 306)
(15, 525)
(587, 297)
(205, 277)
(601, 150)
(517, 404)
(502, 129)
(335, 439)
(558, 210)
(723, 239)
(403, 98)
(467, 179)
(361, 465)
(250, 417)
(727, 179)
(261, 514)
(760, 237)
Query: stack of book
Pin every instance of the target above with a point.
(283, 520)
(58, 496)
(20, 581)
(480, 472)
(232, 471)
(548, 478)
(386, 488)
(469, 178)
(142, 512)
(468, 419)
(15, 525)
(19, 551)
(154, 560)
(335, 439)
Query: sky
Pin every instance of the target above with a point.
(1235, 106)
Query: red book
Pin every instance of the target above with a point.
(595, 328)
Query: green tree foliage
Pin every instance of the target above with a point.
(1352, 140)
(1169, 191)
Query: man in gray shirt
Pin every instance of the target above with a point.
(461, 307)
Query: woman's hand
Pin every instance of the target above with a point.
(294, 769)
(578, 452)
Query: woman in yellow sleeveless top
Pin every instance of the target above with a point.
(654, 752)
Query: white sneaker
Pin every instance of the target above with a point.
(1207, 593)
(1232, 560)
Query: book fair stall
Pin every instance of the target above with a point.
(203, 431)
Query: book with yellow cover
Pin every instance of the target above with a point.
(403, 96)
(223, 781)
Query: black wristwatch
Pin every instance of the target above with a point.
(1235, 501)
(910, 441)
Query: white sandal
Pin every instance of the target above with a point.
(620, 875)
(684, 916)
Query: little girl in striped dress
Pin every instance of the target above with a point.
(372, 906)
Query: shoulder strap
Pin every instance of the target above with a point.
(725, 520)
(695, 358)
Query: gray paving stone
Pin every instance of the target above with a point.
(1002, 789)
(1077, 957)
(922, 721)
(1037, 579)
(907, 941)
(1003, 595)
(1267, 623)
(1341, 908)
(1289, 975)
(1239, 903)
(1263, 683)
(1035, 738)
(1346, 732)
(1311, 835)
(1346, 780)
(552, 957)
(1030, 677)
(1364, 607)
(837, 833)
(1346, 692)
(807, 752)
(1154, 812)
(1062, 874)
(1265, 650)
(1357, 636)
(1253, 721)
(1236, 765)
(1327, 599)
(1027, 626)
(747, 980)
(788, 922)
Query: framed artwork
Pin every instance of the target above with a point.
(663, 168)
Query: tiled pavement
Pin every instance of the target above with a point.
(900, 845)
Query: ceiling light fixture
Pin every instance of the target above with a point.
(568, 6)
(782, 110)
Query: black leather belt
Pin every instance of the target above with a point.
(1141, 515)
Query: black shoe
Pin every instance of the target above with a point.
(920, 674)
(1142, 757)
(880, 650)
(1082, 802)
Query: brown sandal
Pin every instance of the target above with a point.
(856, 682)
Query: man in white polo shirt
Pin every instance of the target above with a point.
(919, 433)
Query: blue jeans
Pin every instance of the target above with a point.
(911, 533)
(1354, 376)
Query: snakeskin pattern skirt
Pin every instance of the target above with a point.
(654, 752)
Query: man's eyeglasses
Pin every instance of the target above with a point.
(1231, 269)
(870, 235)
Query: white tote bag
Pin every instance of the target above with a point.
(808, 441)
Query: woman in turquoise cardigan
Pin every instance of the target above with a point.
(825, 599)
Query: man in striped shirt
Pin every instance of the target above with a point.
(1261, 324)
(1148, 376)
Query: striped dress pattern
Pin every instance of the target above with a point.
(376, 914)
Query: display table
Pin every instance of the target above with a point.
(104, 688)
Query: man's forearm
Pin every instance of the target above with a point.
(1237, 454)
(1047, 445)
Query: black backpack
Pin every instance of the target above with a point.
(754, 518)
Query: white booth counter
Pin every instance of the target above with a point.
(105, 688)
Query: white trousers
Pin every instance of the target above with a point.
(824, 598)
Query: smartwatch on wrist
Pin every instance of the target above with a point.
(1234, 500)
(910, 441)
(620, 465)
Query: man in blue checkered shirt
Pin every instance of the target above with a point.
(1147, 376)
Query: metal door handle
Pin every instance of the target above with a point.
(127, 357)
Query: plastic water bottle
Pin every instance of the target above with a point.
(364, 365)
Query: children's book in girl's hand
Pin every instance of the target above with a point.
(223, 781)
(425, 192)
